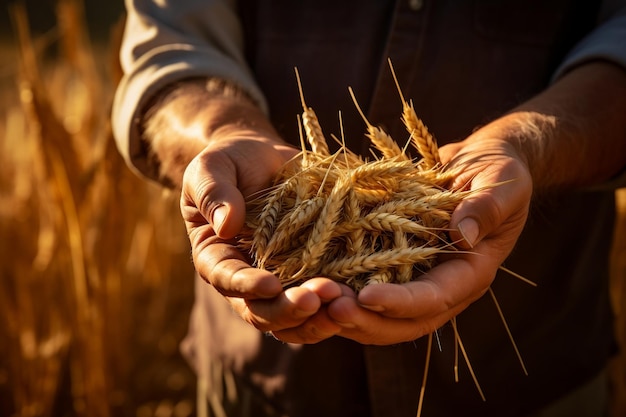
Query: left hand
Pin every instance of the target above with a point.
(532, 146)
(491, 221)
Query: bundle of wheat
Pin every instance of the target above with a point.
(357, 221)
(353, 220)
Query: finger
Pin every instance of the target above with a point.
(368, 327)
(502, 197)
(326, 289)
(479, 216)
(210, 195)
(445, 290)
(221, 264)
(317, 328)
(288, 309)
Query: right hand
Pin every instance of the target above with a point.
(234, 165)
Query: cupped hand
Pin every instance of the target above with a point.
(486, 225)
(235, 165)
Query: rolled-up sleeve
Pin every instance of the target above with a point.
(168, 40)
(606, 43)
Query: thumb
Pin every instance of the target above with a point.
(476, 215)
(471, 221)
(498, 210)
(210, 196)
(227, 214)
(469, 230)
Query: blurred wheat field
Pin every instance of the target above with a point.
(95, 267)
(95, 272)
(618, 297)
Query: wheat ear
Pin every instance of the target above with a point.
(301, 216)
(380, 139)
(311, 125)
(323, 228)
(353, 265)
(422, 139)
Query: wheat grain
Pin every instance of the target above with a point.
(322, 230)
(380, 139)
(367, 263)
(421, 138)
(301, 216)
(311, 125)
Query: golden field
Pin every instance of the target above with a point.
(96, 276)
(95, 271)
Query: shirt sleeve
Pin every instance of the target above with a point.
(168, 40)
(607, 42)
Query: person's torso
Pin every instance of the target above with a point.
(462, 63)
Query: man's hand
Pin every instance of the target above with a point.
(487, 225)
(234, 165)
(209, 140)
(565, 137)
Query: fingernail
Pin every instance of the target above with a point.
(469, 230)
(300, 314)
(377, 309)
(217, 217)
(346, 325)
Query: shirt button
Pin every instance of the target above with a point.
(416, 5)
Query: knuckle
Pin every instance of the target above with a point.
(205, 201)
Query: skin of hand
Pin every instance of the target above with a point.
(532, 146)
(525, 146)
(218, 148)
(487, 225)
(212, 203)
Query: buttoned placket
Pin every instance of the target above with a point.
(416, 5)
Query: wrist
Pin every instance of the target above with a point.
(528, 133)
(187, 116)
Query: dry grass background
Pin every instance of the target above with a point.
(95, 275)
(618, 294)
(96, 278)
